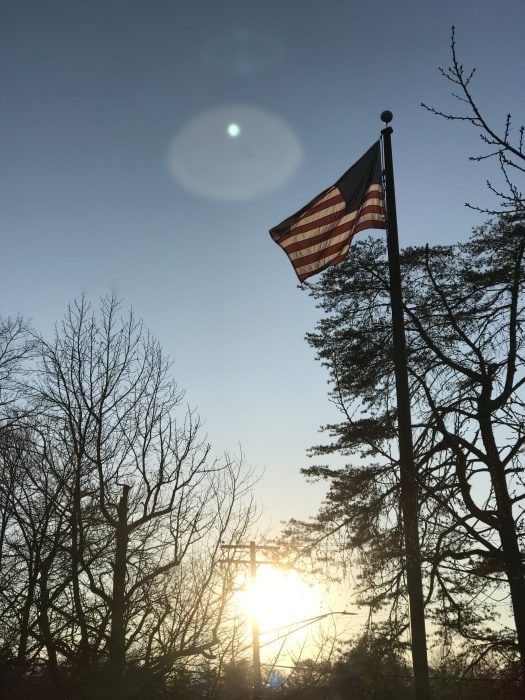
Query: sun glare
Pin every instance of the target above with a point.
(280, 598)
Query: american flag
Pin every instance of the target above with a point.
(320, 234)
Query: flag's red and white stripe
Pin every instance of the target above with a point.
(319, 235)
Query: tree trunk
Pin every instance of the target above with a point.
(76, 565)
(117, 644)
(512, 558)
(43, 623)
(26, 612)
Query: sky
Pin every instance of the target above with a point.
(146, 147)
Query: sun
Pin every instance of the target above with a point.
(233, 130)
(279, 598)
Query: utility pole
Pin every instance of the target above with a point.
(255, 624)
(253, 564)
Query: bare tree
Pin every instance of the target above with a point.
(120, 517)
(16, 346)
(501, 144)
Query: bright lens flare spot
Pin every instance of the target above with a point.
(280, 598)
(233, 130)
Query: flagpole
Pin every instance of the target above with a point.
(407, 468)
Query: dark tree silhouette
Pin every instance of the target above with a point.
(116, 509)
(465, 334)
(16, 347)
(501, 144)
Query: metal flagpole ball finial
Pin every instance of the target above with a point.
(386, 116)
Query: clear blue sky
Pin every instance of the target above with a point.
(117, 174)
